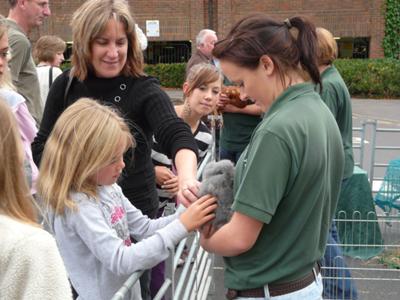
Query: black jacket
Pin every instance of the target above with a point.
(148, 111)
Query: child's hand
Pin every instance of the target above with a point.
(163, 174)
(199, 212)
(171, 186)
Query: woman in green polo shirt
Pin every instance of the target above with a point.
(337, 277)
(288, 178)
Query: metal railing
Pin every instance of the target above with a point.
(358, 144)
(194, 280)
(371, 250)
(361, 147)
(377, 147)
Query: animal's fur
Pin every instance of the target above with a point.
(217, 180)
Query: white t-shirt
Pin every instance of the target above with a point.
(43, 72)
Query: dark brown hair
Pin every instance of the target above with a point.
(258, 35)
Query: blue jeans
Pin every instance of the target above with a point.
(310, 292)
(339, 285)
(233, 156)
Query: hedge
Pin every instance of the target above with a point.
(372, 78)
(170, 75)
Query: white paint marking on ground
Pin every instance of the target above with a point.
(357, 140)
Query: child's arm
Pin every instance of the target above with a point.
(103, 242)
(141, 226)
(91, 227)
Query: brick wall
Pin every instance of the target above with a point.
(183, 19)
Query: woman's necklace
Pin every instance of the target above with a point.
(185, 113)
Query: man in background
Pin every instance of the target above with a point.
(205, 41)
(23, 16)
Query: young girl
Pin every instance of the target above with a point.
(201, 90)
(30, 264)
(91, 218)
(49, 54)
(26, 123)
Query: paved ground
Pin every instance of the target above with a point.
(373, 280)
(385, 110)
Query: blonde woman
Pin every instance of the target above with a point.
(26, 123)
(30, 265)
(92, 220)
(108, 65)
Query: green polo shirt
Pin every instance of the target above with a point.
(337, 97)
(237, 130)
(23, 69)
(288, 177)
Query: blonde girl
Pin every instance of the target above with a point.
(26, 250)
(91, 218)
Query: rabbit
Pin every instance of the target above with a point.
(217, 180)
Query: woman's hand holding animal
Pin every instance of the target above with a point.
(188, 191)
(223, 100)
(199, 212)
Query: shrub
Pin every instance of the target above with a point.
(376, 78)
(169, 75)
(373, 78)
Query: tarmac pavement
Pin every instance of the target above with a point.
(384, 110)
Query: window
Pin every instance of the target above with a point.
(167, 52)
(350, 47)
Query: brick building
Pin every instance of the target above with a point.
(358, 24)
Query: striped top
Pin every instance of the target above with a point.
(203, 138)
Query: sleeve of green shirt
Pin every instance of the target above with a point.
(331, 99)
(265, 177)
(20, 54)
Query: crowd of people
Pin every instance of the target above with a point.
(91, 155)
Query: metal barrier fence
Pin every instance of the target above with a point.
(375, 147)
(168, 52)
(359, 144)
(194, 280)
(371, 250)
(370, 243)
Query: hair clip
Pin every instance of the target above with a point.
(287, 23)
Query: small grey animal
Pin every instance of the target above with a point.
(217, 180)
